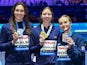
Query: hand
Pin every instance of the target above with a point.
(41, 40)
(70, 41)
(15, 38)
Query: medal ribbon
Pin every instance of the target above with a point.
(49, 30)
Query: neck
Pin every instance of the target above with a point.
(18, 20)
(46, 25)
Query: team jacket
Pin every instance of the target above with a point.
(35, 46)
(76, 53)
(12, 57)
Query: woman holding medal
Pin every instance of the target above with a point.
(14, 37)
(43, 39)
(70, 49)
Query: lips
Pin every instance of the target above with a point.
(64, 27)
(19, 15)
(47, 18)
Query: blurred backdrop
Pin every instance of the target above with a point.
(76, 9)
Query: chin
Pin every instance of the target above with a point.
(19, 19)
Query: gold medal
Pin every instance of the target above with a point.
(44, 35)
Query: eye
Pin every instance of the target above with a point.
(44, 13)
(21, 10)
(60, 23)
(17, 10)
(65, 21)
(49, 14)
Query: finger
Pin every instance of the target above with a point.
(15, 36)
(41, 36)
(68, 40)
(16, 33)
(41, 40)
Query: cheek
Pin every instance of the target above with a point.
(23, 14)
(51, 17)
(68, 25)
(15, 14)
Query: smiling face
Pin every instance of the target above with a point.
(46, 15)
(19, 13)
(65, 24)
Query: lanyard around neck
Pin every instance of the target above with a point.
(20, 30)
(49, 30)
(23, 24)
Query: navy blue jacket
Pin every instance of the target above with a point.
(35, 45)
(12, 57)
(75, 53)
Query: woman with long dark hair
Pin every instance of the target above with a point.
(43, 39)
(15, 35)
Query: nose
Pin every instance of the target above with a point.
(19, 12)
(63, 24)
(47, 15)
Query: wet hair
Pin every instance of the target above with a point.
(25, 19)
(68, 17)
(51, 12)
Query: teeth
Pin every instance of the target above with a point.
(19, 15)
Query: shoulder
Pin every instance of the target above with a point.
(6, 26)
(5, 29)
(56, 29)
(77, 35)
(36, 29)
(31, 25)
